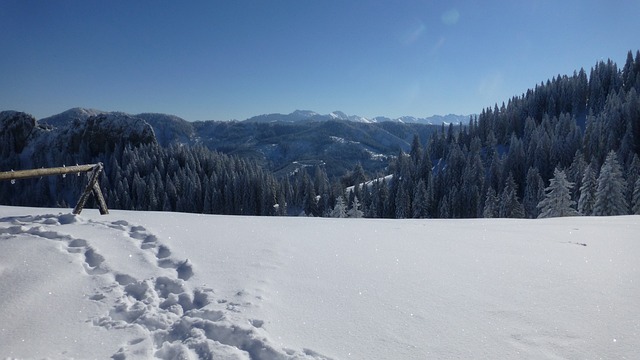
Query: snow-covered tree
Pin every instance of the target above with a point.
(533, 193)
(632, 174)
(491, 204)
(443, 208)
(557, 200)
(575, 173)
(587, 192)
(510, 205)
(354, 211)
(420, 204)
(402, 203)
(610, 195)
(339, 209)
(636, 198)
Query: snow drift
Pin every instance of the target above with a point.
(140, 285)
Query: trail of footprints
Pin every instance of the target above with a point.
(92, 259)
(150, 242)
(176, 322)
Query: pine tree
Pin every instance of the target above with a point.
(533, 193)
(354, 211)
(416, 151)
(494, 179)
(491, 204)
(557, 201)
(636, 198)
(610, 195)
(431, 203)
(424, 168)
(402, 203)
(632, 174)
(510, 206)
(310, 200)
(587, 192)
(339, 209)
(420, 201)
(384, 204)
(472, 185)
(443, 208)
(575, 174)
(515, 161)
(322, 187)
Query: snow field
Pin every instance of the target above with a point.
(136, 289)
(171, 285)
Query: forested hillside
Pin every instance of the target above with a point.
(139, 173)
(584, 128)
(569, 145)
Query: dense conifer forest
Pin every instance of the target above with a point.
(571, 143)
(568, 146)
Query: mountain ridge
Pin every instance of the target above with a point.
(82, 113)
(308, 115)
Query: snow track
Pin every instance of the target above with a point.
(171, 319)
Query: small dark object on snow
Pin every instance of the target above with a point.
(577, 243)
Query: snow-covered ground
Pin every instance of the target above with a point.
(140, 285)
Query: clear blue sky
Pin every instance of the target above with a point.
(232, 59)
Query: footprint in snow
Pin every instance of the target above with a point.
(38, 226)
(149, 242)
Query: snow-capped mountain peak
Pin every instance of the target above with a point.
(308, 115)
(304, 114)
(65, 117)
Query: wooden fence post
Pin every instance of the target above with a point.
(92, 187)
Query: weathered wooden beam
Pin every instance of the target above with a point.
(92, 188)
(34, 173)
(97, 193)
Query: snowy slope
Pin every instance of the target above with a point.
(167, 285)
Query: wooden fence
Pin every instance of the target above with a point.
(93, 187)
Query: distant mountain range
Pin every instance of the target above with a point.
(282, 143)
(309, 116)
(294, 117)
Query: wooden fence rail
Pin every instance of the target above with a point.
(34, 173)
(92, 187)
